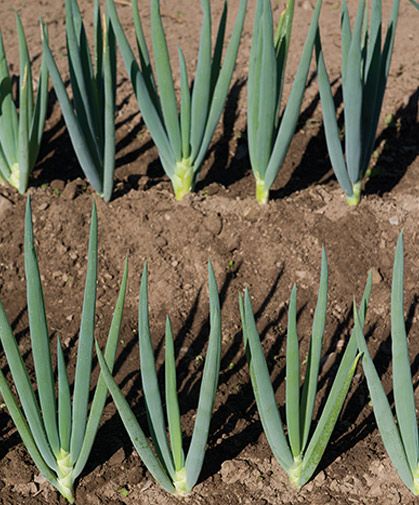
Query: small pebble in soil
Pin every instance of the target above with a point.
(320, 478)
(161, 242)
(212, 189)
(43, 206)
(252, 214)
(117, 458)
(143, 182)
(235, 471)
(57, 186)
(213, 223)
(376, 276)
(62, 248)
(5, 205)
(70, 191)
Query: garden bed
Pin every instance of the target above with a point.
(264, 248)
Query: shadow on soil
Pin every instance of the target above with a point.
(240, 406)
(314, 164)
(58, 159)
(354, 410)
(10, 440)
(227, 170)
(189, 372)
(400, 148)
(224, 170)
(235, 423)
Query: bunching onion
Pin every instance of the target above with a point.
(366, 59)
(22, 117)
(300, 455)
(89, 116)
(182, 137)
(270, 129)
(400, 437)
(57, 430)
(174, 470)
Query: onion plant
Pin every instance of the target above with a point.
(300, 455)
(174, 470)
(182, 138)
(366, 59)
(270, 130)
(22, 117)
(400, 437)
(57, 430)
(90, 115)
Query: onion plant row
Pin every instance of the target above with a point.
(182, 124)
(58, 420)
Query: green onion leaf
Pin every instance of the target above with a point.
(85, 344)
(404, 396)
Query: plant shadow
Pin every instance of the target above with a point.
(400, 147)
(188, 386)
(8, 435)
(343, 440)
(229, 169)
(314, 165)
(57, 158)
(224, 170)
(241, 404)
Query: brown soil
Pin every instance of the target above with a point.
(266, 249)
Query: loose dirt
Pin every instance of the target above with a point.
(265, 249)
